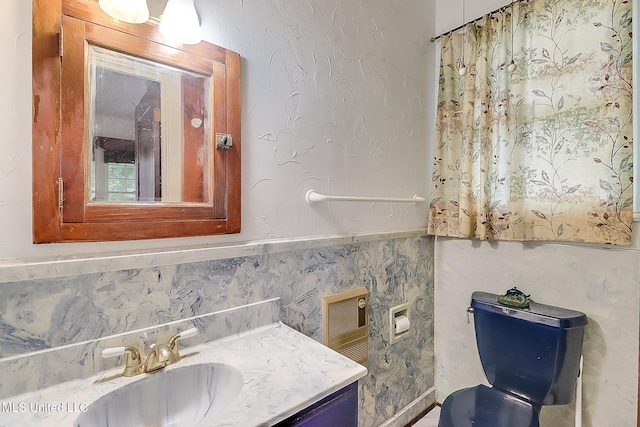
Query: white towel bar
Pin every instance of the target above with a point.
(313, 196)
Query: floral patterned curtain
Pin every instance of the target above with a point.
(542, 152)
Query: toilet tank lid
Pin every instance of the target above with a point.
(557, 317)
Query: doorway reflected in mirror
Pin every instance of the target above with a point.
(149, 128)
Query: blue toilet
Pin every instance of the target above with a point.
(530, 356)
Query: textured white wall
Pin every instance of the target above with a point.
(601, 282)
(450, 13)
(336, 96)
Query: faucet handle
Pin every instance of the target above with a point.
(112, 352)
(188, 333)
(173, 342)
(133, 363)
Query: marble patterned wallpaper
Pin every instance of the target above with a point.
(48, 312)
(602, 283)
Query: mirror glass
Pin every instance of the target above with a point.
(148, 131)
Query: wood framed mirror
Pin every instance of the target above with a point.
(125, 125)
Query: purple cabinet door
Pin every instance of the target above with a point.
(337, 410)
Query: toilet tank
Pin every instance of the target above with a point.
(533, 353)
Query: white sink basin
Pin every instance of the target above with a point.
(180, 396)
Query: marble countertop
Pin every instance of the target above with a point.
(283, 372)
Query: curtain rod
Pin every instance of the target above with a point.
(500, 9)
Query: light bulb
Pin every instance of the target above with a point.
(512, 66)
(462, 71)
(180, 22)
(132, 11)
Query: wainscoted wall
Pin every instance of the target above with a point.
(48, 312)
(337, 97)
(602, 283)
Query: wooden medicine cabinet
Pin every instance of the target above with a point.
(134, 137)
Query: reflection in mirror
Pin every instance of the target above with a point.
(148, 131)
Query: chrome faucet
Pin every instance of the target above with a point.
(161, 355)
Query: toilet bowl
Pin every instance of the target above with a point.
(531, 358)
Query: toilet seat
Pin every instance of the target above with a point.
(482, 406)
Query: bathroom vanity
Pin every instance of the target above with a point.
(338, 409)
(261, 373)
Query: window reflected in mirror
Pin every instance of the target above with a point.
(149, 131)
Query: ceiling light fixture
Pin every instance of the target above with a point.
(132, 11)
(180, 22)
